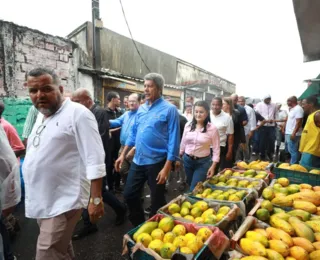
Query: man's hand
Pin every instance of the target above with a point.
(95, 212)
(293, 137)
(210, 172)
(118, 163)
(177, 166)
(162, 176)
(264, 122)
(229, 155)
(250, 135)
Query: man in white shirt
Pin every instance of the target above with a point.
(64, 153)
(243, 152)
(293, 128)
(267, 134)
(223, 122)
(281, 118)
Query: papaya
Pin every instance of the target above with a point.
(301, 229)
(305, 186)
(147, 227)
(301, 214)
(307, 195)
(255, 236)
(316, 245)
(281, 224)
(290, 258)
(315, 255)
(279, 246)
(299, 253)
(251, 247)
(304, 243)
(278, 234)
(274, 255)
(282, 215)
(254, 258)
(261, 231)
(283, 201)
(317, 236)
(305, 205)
(314, 224)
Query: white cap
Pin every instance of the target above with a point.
(266, 97)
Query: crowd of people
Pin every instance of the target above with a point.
(79, 155)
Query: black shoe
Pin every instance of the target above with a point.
(147, 210)
(121, 218)
(85, 231)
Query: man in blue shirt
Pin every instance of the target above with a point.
(155, 136)
(126, 122)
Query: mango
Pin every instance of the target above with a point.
(301, 214)
(283, 201)
(180, 241)
(252, 247)
(316, 245)
(144, 239)
(315, 255)
(305, 205)
(263, 214)
(186, 250)
(279, 246)
(307, 195)
(255, 236)
(204, 233)
(261, 231)
(278, 234)
(196, 212)
(305, 186)
(169, 237)
(147, 227)
(167, 250)
(156, 245)
(282, 215)
(317, 236)
(301, 229)
(304, 243)
(274, 255)
(174, 208)
(186, 204)
(157, 234)
(166, 224)
(179, 230)
(266, 204)
(284, 182)
(282, 224)
(314, 224)
(299, 253)
(278, 210)
(254, 258)
(268, 193)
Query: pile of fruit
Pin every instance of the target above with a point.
(228, 194)
(198, 212)
(254, 165)
(302, 196)
(247, 174)
(224, 181)
(297, 167)
(275, 243)
(164, 237)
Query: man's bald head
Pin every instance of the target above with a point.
(134, 101)
(83, 96)
(234, 98)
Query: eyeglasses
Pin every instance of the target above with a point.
(36, 139)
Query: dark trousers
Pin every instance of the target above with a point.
(221, 164)
(7, 253)
(113, 177)
(138, 175)
(267, 138)
(108, 198)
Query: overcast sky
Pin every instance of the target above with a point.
(254, 44)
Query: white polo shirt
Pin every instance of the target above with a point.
(294, 114)
(58, 171)
(252, 121)
(223, 122)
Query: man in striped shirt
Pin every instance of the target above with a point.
(28, 125)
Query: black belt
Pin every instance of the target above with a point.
(195, 157)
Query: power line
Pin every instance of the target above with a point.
(125, 18)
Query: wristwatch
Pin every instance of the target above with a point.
(96, 201)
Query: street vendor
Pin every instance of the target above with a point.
(310, 138)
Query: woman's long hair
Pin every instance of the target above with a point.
(205, 105)
(228, 100)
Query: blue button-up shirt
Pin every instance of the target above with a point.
(155, 133)
(125, 122)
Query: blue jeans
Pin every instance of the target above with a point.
(137, 176)
(267, 139)
(309, 160)
(293, 148)
(196, 170)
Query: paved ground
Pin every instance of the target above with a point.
(104, 245)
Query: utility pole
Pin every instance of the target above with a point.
(96, 47)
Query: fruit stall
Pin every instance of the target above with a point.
(255, 211)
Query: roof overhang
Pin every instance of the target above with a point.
(308, 19)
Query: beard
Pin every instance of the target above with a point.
(53, 108)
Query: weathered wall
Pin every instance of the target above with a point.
(22, 49)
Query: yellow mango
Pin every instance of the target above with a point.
(304, 243)
(315, 255)
(301, 229)
(314, 224)
(308, 195)
(251, 247)
(279, 246)
(274, 255)
(261, 231)
(299, 253)
(255, 236)
(317, 236)
(278, 234)
(316, 245)
(254, 258)
(284, 201)
(281, 224)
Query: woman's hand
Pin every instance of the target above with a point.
(210, 172)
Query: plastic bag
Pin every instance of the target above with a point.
(9, 174)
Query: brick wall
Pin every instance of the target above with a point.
(22, 49)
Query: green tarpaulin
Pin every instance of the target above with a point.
(313, 89)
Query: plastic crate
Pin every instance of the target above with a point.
(296, 177)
